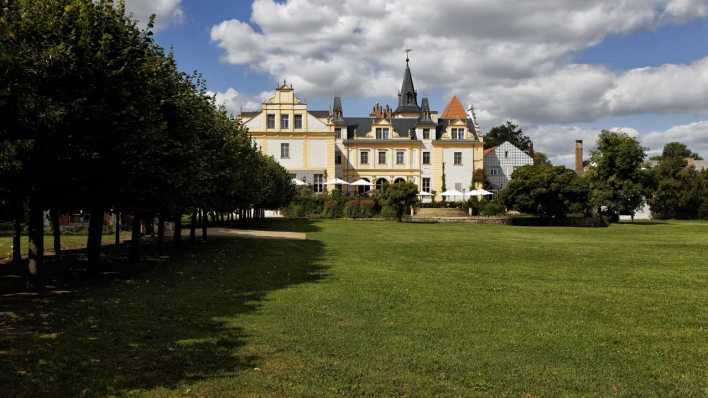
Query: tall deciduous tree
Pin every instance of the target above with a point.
(618, 183)
(680, 191)
(507, 132)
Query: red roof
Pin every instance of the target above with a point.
(490, 150)
(454, 110)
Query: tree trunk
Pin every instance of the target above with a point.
(17, 236)
(160, 232)
(56, 231)
(95, 233)
(177, 238)
(205, 224)
(193, 227)
(117, 227)
(36, 245)
(134, 254)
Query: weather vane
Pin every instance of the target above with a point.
(408, 50)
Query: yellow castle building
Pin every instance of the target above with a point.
(410, 143)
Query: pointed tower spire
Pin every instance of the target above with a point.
(425, 114)
(337, 111)
(407, 97)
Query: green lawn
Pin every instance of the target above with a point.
(67, 242)
(383, 309)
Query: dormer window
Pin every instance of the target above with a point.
(458, 134)
(426, 134)
(381, 133)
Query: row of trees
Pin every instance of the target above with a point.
(618, 181)
(97, 116)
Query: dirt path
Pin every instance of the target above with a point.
(252, 233)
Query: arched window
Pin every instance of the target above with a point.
(399, 179)
(381, 183)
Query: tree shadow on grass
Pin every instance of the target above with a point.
(162, 328)
(284, 224)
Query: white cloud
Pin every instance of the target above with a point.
(508, 58)
(558, 141)
(235, 102)
(166, 12)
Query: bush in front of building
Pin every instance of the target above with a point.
(492, 208)
(305, 204)
(388, 212)
(360, 208)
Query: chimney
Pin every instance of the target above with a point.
(531, 149)
(579, 157)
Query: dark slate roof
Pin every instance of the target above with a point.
(319, 114)
(337, 111)
(250, 114)
(360, 126)
(404, 105)
(425, 114)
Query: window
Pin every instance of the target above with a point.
(426, 184)
(506, 154)
(284, 150)
(318, 183)
(458, 134)
(338, 133)
(337, 157)
(382, 157)
(457, 158)
(426, 157)
(381, 133)
(399, 157)
(284, 119)
(426, 134)
(364, 157)
(270, 121)
(493, 171)
(458, 186)
(298, 121)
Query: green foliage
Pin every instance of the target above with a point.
(493, 208)
(507, 132)
(389, 212)
(681, 191)
(96, 114)
(545, 191)
(398, 198)
(359, 208)
(541, 158)
(677, 150)
(306, 203)
(617, 181)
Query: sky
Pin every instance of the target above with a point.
(562, 70)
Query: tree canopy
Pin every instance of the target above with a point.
(680, 191)
(97, 116)
(618, 182)
(546, 191)
(507, 132)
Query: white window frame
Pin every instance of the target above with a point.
(402, 158)
(426, 161)
(338, 133)
(284, 121)
(454, 158)
(426, 184)
(318, 183)
(285, 150)
(297, 118)
(361, 157)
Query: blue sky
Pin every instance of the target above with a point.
(640, 66)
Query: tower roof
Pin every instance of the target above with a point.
(454, 110)
(407, 98)
(425, 116)
(337, 111)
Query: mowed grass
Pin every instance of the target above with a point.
(67, 242)
(383, 309)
